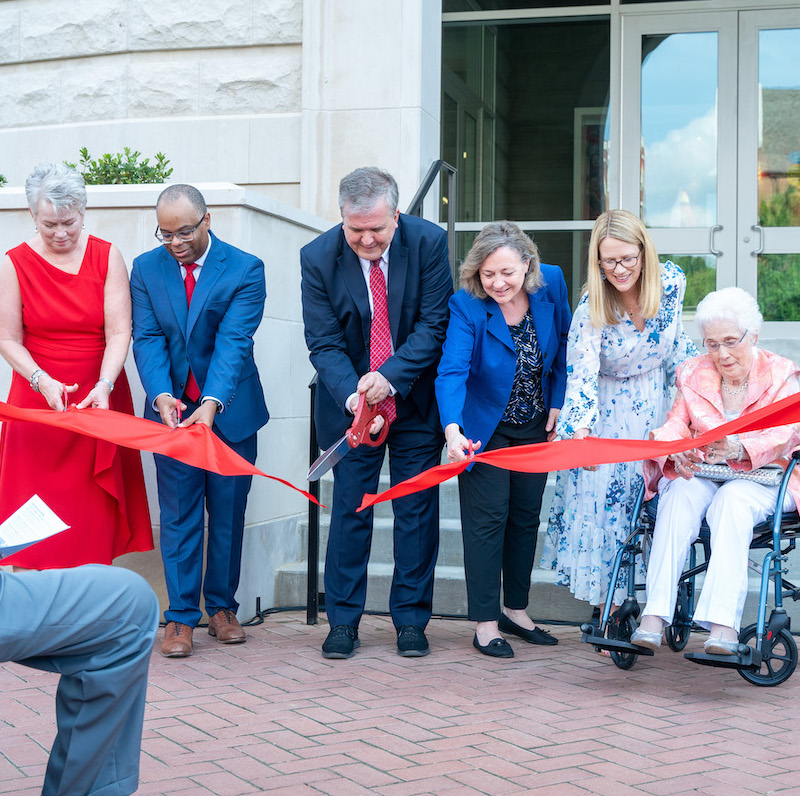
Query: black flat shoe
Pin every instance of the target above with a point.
(496, 648)
(535, 636)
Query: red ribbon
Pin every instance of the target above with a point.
(568, 454)
(196, 445)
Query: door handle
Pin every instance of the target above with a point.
(716, 228)
(760, 231)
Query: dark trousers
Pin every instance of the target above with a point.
(184, 493)
(500, 521)
(413, 447)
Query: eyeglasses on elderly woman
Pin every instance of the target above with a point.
(713, 346)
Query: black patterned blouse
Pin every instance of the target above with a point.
(526, 398)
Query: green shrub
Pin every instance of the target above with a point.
(123, 167)
(3, 180)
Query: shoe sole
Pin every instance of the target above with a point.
(342, 655)
(413, 653)
(714, 650)
(228, 640)
(177, 654)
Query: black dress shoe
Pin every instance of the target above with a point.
(535, 636)
(342, 642)
(411, 642)
(496, 648)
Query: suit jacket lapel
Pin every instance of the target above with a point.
(496, 324)
(210, 273)
(398, 271)
(542, 312)
(353, 276)
(176, 291)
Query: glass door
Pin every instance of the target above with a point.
(678, 141)
(769, 162)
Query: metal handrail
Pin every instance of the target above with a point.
(415, 208)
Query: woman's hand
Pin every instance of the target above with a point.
(582, 433)
(53, 392)
(550, 428)
(722, 450)
(97, 398)
(683, 463)
(457, 444)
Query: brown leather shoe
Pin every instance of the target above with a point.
(225, 626)
(177, 641)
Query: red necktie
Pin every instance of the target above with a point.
(192, 390)
(380, 336)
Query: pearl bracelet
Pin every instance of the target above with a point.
(35, 376)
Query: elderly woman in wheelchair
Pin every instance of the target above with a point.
(732, 379)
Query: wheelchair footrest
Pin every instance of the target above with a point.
(750, 660)
(593, 636)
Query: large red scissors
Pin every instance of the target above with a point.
(357, 434)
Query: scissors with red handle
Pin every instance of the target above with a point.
(357, 434)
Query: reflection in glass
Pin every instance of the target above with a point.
(779, 286)
(536, 96)
(679, 130)
(701, 278)
(779, 128)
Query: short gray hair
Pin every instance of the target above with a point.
(173, 192)
(730, 304)
(57, 183)
(362, 189)
(494, 236)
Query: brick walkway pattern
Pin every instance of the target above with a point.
(272, 716)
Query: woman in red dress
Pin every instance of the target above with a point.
(65, 328)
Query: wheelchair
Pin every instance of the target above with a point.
(767, 652)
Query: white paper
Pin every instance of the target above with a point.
(30, 523)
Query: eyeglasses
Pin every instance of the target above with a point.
(184, 235)
(713, 345)
(628, 263)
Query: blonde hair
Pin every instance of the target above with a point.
(604, 304)
(492, 237)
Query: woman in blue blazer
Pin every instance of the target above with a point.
(501, 383)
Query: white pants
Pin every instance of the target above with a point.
(731, 510)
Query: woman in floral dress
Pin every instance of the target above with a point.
(625, 341)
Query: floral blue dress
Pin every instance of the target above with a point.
(619, 382)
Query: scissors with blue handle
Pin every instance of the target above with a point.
(357, 434)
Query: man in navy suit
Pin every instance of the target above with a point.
(378, 269)
(197, 303)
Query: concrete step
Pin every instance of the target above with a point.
(547, 601)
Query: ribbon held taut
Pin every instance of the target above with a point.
(196, 445)
(568, 454)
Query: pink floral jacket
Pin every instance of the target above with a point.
(698, 408)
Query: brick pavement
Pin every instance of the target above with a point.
(272, 716)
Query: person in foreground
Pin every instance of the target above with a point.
(732, 379)
(197, 303)
(94, 626)
(65, 328)
(375, 291)
(501, 383)
(625, 342)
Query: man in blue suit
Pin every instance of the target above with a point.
(197, 303)
(375, 291)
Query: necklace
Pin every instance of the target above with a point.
(735, 392)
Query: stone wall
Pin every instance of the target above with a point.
(215, 85)
(275, 233)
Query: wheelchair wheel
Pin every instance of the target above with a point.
(677, 634)
(622, 629)
(779, 657)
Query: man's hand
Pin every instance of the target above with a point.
(168, 409)
(377, 423)
(203, 414)
(375, 385)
